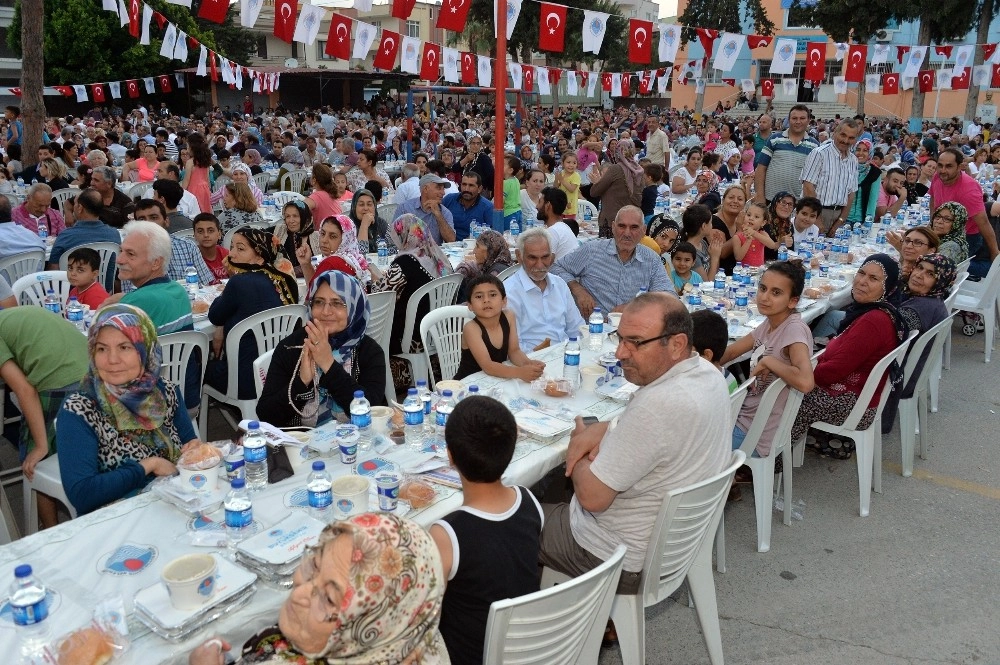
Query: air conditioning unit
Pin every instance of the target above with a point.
(884, 36)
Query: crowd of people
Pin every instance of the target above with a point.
(747, 186)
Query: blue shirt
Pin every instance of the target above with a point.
(481, 211)
(597, 268)
(550, 314)
(412, 207)
(83, 232)
(15, 239)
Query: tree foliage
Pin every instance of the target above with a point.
(84, 44)
(726, 16)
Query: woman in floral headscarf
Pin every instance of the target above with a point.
(707, 184)
(254, 286)
(492, 256)
(315, 371)
(126, 425)
(869, 178)
(338, 237)
(296, 234)
(370, 591)
(948, 223)
(241, 175)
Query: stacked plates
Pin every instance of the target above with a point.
(234, 589)
(274, 554)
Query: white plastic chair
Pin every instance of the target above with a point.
(177, 350)
(262, 180)
(441, 332)
(944, 362)
(387, 211)
(383, 311)
(680, 547)
(507, 272)
(913, 409)
(227, 240)
(260, 367)
(582, 207)
(16, 266)
(48, 481)
(31, 289)
(735, 404)
(221, 182)
(561, 625)
(139, 190)
(184, 233)
(107, 251)
(868, 442)
(268, 328)
(62, 196)
(441, 293)
(292, 181)
(8, 526)
(981, 298)
(281, 198)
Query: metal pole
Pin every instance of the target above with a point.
(409, 125)
(937, 101)
(500, 88)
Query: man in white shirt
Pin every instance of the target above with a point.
(189, 202)
(554, 203)
(657, 144)
(541, 301)
(409, 188)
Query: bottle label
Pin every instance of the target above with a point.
(571, 359)
(28, 615)
(414, 417)
(741, 301)
(75, 315)
(442, 417)
(596, 328)
(239, 519)
(321, 499)
(361, 420)
(426, 400)
(255, 454)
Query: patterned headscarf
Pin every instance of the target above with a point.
(713, 179)
(138, 407)
(292, 155)
(391, 606)
(946, 273)
(891, 270)
(306, 226)
(957, 233)
(252, 157)
(634, 174)
(264, 244)
(350, 248)
(358, 311)
(660, 223)
(496, 251)
(410, 236)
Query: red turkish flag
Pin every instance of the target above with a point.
(857, 55)
(555, 75)
(165, 84)
(731, 82)
(214, 10)
(900, 52)
(626, 83)
(453, 15)
(552, 27)
(707, 38)
(402, 9)
(995, 79)
(15, 91)
(645, 83)
(132, 86)
(962, 82)
(134, 10)
(767, 87)
(528, 78)
(757, 41)
(430, 65)
(988, 50)
(815, 61)
(606, 81)
(469, 72)
(97, 93)
(943, 50)
(926, 80)
(160, 19)
(285, 12)
(388, 48)
(213, 68)
(65, 90)
(640, 41)
(890, 84)
(338, 40)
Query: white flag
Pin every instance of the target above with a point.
(748, 86)
(542, 76)
(256, 84)
(728, 50)
(485, 68)
(616, 85)
(363, 5)
(595, 24)
(914, 59)
(239, 77)
(513, 11)
(181, 50)
(789, 86)
(409, 55)
(451, 65)
(109, 5)
(963, 58)
(364, 37)
(840, 85)
(841, 51)
(516, 74)
(307, 27)
(906, 82)
(150, 85)
(180, 79)
(572, 85)
(249, 11)
(943, 79)
(872, 82)
(182, 3)
(123, 14)
(116, 89)
(202, 61)
(670, 40)
(147, 18)
(784, 56)
(981, 75)
(699, 86)
(169, 41)
(662, 82)
(880, 54)
(592, 80)
(81, 93)
(226, 71)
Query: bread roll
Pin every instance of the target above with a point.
(87, 646)
(417, 493)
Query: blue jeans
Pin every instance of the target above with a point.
(977, 267)
(738, 437)
(828, 323)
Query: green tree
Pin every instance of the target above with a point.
(103, 50)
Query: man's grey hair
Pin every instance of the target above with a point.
(156, 237)
(410, 170)
(39, 187)
(533, 234)
(108, 173)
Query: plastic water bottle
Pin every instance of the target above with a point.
(52, 303)
(29, 610)
(318, 486)
(361, 417)
(720, 281)
(383, 253)
(809, 275)
(596, 327)
(74, 312)
(413, 419)
(642, 290)
(444, 409)
(734, 327)
(239, 511)
(880, 237)
(43, 230)
(587, 214)
(782, 252)
(571, 361)
(191, 281)
(473, 390)
(515, 228)
(255, 457)
(742, 299)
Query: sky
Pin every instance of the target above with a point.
(667, 7)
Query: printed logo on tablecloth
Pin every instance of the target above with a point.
(205, 523)
(297, 498)
(128, 559)
(52, 598)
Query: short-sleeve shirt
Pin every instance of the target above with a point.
(597, 268)
(48, 349)
(885, 199)
(834, 176)
(784, 160)
(965, 191)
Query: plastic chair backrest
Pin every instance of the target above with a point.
(979, 289)
(440, 291)
(227, 240)
(221, 182)
(263, 179)
(949, 302)
(183, 233)
(783, 433)
(383, 307)
(260, 367)
(874, 379)
(177, 350)
(582, 206)
(281, 198)
(108, 252)
(552, 626)
(61, 196)
(688, 515)
(16, 266)
(294, 180)
(139, 190)
(736, 399)
(268, 328)
(31, 289)
(507, 272)
(963, 267)
(925, 339)
(442, 330)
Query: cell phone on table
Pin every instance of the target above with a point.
(590, 420)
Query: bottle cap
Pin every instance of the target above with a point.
(24, 570)
(253, 425)
(319, 466)
(446, 393)
(358, 394)
(411, 391)
(238, 483)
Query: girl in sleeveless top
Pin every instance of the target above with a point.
(491, 338)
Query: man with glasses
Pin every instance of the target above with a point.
(670, 435)
(951, 184)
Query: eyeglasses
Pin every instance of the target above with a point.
(319, 599)
(915, 243)
(786, 202)
(327, 304)
(633, 344)
(943, 218)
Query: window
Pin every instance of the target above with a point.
(262, 47)
(798, 17)
(413, 29)
(377, 24)
(321, 53)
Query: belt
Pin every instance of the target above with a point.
(837, 207)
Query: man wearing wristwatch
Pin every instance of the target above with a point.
(830, 174)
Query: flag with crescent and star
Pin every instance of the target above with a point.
(97, 93)
(995, 78)
(430, 64)
(890, 84)
(338, 40)
(552, 27)
(926, 80)
(856, 56)
(133, 17)
(729, 47)
(402, 9)
(640, 42)
(529, 77)
(815, 61)
(453, 15)
(385, 58)
(132, 86)
(767, 87)
(284, 19)
(468, 68)
(961, 82)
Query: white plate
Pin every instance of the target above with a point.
(540, 425)
(285, 541)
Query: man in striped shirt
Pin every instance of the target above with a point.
(831, 175)
(779, 163)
